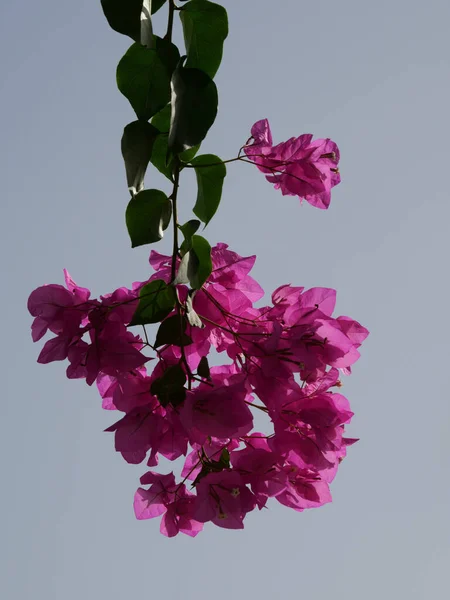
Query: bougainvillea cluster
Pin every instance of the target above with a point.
(287, 355)
(299, 167)
(283, 357)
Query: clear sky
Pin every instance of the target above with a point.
(373, 76)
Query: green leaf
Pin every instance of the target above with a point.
(213, 466)
(162, 119)
(169, 388)
(147, 216)
(159, 156)
(137, 146)
(172, 332)
(200, 264)
(205, 28)
(143, 77)
(195, 268)
(194, 108)
(203, 368)
(156, 5)
(189, 154)
(124, 16)
(169, 54)
(156, 301)
(225, 458)
(222, 463)
(210, 183)
(188, 230)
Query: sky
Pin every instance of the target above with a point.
(374, 77)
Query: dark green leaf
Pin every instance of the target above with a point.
(137, 145)
(210, 183)
(213, 466)
(161, 153)
(156, 5)
(156, 301)
(203, 368)
(195, 266)
(124, 16)
(225, 458)
(194, 108)
(200, 264)
(162, 119)
(169, 54)
(222, 463)
(159, 156)
(169, 388)
(172, 332)
(147, 216)
(189, 154)
(205, 27)
(143, 76)
(188, 230)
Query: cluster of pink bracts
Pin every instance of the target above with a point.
(285, 360)
(299, 167)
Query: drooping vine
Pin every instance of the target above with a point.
(284, 359)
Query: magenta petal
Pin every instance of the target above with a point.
(261, 133)
(54, 349)
(38, 329)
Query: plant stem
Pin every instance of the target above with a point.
(222, 162)
(176, 179)
(168, 35)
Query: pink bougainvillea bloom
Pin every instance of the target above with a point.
(220, 411)
(54, 308)
(135, 431)
(124, 391)
(113, 348)
(290, 354)
(303, 490)
(172, 501)
(179, 516)
(224, 499)
(300, 166)
(259, 466)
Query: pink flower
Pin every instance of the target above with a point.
(124, 391)
(165, 498)
(299, 167)
(113, 348)
(211, 450)
(303, 490)
(224, 499)
(218, 409)
(290, 354)
(135, 431)
(260, 467)
(56, 309)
